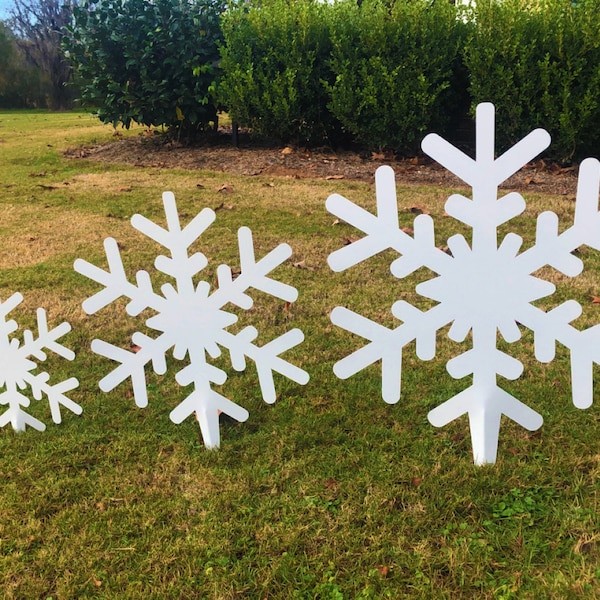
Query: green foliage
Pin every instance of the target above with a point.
(396, 66)
(540, 64)
(21, 85)
(148, 62)
(274, 64)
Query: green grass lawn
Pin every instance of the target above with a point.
(329, 493)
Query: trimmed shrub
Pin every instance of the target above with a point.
(151, 62)
(397, 70)
(274, 61)
(539, 62)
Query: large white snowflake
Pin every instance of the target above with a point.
(483, 288)
(17, 369)
(191, 320)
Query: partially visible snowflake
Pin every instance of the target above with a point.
(17, 366)
(193, 321)
(483, 288)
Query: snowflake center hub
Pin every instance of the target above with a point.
(191, 320)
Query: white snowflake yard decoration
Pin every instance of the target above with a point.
(17, 366)
(192, 320)
(483, 288)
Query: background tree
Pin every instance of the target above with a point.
(39, 26)
(21, 84)
(148, 62)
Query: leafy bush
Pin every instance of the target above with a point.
(539, 63)
(151, 62)
(274, 61)
(396, 67)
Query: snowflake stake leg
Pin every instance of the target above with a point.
(483, 288)
(191, 320)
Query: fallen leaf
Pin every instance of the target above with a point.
(269, 184)
(331, 483)
(530, 181)
(416, 481)
(350, 240)
(338, 176)
(377, 156)
(408, 230)
(595, 299)
(302, 265)
(287, 150)
(41, 174)
(200, 186)
(226, 188)
(125, 188)
(97, 582)
(336, 222)
(383, 570)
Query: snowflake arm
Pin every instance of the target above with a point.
(253, 274)
(383, 232)
(267, 358)
(554, 249)
(485, 170)
(386, 344)
(116, 284)
(54, 393)
(132, 364)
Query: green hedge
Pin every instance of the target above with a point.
(539, 63)
(397, 70)
(390, 71)
(274, 67)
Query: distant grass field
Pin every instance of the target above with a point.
(329, 493)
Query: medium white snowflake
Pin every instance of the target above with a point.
(192, 320)
(481, 288)
(17, 366)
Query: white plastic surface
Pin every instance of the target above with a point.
(481, 287)
(17, 369)
(191, 320)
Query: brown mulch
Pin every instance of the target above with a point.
(247, 159)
